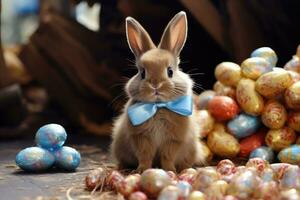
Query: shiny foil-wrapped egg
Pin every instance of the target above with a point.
(226, 167)
(96, 178)
(290, 155)
(293, 64)
(170, 192)
(249, 143)
(291, 178)
(274, 115)
(258, 163)
(204, 178)
(280, 138)
(254, 67)
(267, 190)
(204, 99)
(266, 53)
(129, 185)
(206, 123)
(197, 195)
(223, 108)
(292, 96)
(217, 190)
(113, 179)
(264, 153)
(67, 158)
(188, 175)
(228, 73)
(185, 189)
(223, 90)
(294, 121)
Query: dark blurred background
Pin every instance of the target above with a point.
(66, 61)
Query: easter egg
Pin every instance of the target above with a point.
(266, 53)
(216, 190)
(268, 175)
(291, 178)
(272, 84)
(170, 192)
(204, 98)
(113, 179)
(292, 96)
(197, 195)
(265, 153)
(279, 169)
(96, 178)
(153, 181)
(223, 108)
(129, 185)
(290, 194)
(226, 167)
(223, 90)
(295, 76)
(34, 159)
(290, 155)
(280, 138)
(249, 143)
(293, 64)
(250, 101)
(254, 67)
(228, 73)
(138, 196)
(223, 144)
(206, 122)
(188, 175)
(274, 115)
(67, 158)
(267, 190)
(204, 178)
(243, 125)
(258, 164)
(51, 136)
(185, 189)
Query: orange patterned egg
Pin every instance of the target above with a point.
(294, 121)
(280, 138)
(223, 108)
(248, 144)
(274, 115)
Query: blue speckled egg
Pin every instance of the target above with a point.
(290, 155)
(243, 125)
(263, 152)
(51, 136)
(67, 158)
(267, 53)
(34, 159)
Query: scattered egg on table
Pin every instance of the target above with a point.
(264, 152)
(113, 179)
(67, 158)
(290, 155)
(129, 184)
(96, 178)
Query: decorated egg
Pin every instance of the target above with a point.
(185, 189)
(206, 122)
(290, 155)
(223, 108)
(204, 178)
(223, 90)
(290, 194)
(272, 84)
(268, 175)
(280, 138)
(247, 97)
(204, 98)
(114, 179)
(267, 190)
(292, 96)
(197, 195)
(138, 196)
(279, 169)
(51, 136)
(266, 53)
(291, 178)
(169, 193)
(274, 115)
(228, 73)
(294, 121)
(67, 158)
(223, 144)
(217, 190)
(96, 178)
(243, 125)
(264, 153)
(153, 181)
(188, 175)
(258, 163)
(295, 76)
(226, 167)
(34, 159)
(254, 67)
(293, 64)
(249, 143)
(129, 185)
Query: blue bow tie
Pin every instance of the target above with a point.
(140, 112)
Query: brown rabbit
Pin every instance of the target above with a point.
(167, 139)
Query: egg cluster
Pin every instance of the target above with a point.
(256, 180)
(253, 109)
(49, 151)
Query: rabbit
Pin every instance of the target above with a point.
(168, 140)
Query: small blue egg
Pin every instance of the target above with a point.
(243, 125)
(67, 158)
(290, 155)
(51, 136)
(34, 159)
(263, 152)
(267, 53)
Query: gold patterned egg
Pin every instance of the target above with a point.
(293, 64)
(228, 73)
(204, 178)
(272, 84)
(295, 76)
(206, 122)
(294, 121)
(247, 97)
(274, 115)
(280, 138)
(292, 96)
(217, 190)
(254, 67)
(223, 90)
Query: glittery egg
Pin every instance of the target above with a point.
(265, 153)
(280, 138)
(266, 53)
(254, 67)
(138, 196)
(129, 185)
(290, 155)
(204, 178)
(206, 122)
(243, 125)
(153, 181)
(272, 84)
(248, 144)
(216, 190)
(228, 73)
(204, 98)
(294, 121)
(291, 178)
(34, 159)
(96, 178)
(267, 190)
(226, 167)
(293, 64)
(185, 189)
(197, 195)
(169, 193)
(292, 96)
(250, 101)
(51, 136)
(223, 90)
(258, 163)
(223, 108)
(67, 158)
(274, 115)
(114, 179)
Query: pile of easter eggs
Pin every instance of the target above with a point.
(258, 179)
(49, 151)
(253, 109)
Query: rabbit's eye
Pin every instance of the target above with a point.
(143, 74)
(170, 72)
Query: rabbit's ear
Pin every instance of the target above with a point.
(138, 39)
(174, 36)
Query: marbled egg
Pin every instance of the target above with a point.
(223, 108)
(293, 64)
(267, 190)
(206, 122)
(34, 159)
(204, 178)
(290, 155)
(258, 164)
(291, 178)
(51, 136)
(138, 196)
(265, 153)
(266, 53)
(197, 195)
(280, 138)
(292, 96)
(279, 169)
(228, 73)
(170, 192)
(294, 121)
(243, 125)
(188, 175)
(216, 190)
(226, 167)
(274, 115)
(67, 158)
(113, 179)
(247, 97)
(248, 144)
(223, 90)
(204, 99)
(129, 185)
(254, 67)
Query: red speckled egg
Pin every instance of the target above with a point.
(248, 144)
(223, 108)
